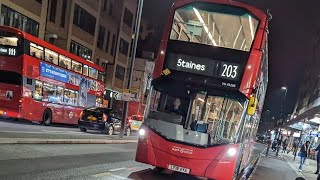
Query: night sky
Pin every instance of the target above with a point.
(292, 33)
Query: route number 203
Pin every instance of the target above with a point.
(229, 71)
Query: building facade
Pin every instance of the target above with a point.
(304, 122)
(96, 30)
(141, 81)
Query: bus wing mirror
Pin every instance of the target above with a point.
(252, 106)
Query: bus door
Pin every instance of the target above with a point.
(9, 99)
(71, 112)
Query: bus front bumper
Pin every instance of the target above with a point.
(209, 162)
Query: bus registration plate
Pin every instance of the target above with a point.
(179, 169)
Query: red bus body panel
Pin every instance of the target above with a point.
(22, 105)
(10, 108)
(250, 75)
(211, 162)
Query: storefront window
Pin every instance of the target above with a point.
(17, 20)
(49, 93)
(80, 50)
(65, 62)
(37, 95)
(51, 56)
(36, 51)
(77, 67)
(101, 76)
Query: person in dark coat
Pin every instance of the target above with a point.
(304, 151)
(176, 109)
(284, 146)
(318, 159)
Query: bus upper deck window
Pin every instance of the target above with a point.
(64, 62)
(77, 67)
(51, 56)
(36, 51)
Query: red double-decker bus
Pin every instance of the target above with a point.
(208, 89)
(40, 82)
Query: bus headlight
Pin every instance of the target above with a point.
(231, 152)
(142, 132)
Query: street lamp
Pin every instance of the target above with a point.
(281, 121)
(132, 58)
(284, 88)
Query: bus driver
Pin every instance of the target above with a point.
(176, 109)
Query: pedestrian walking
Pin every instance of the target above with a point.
(318, 158)
(274, 144)
(303, 154)
(295, 148)
(284, 146)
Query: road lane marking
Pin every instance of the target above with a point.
(109, 174)
(71, 132)
(119, 177)
(102, 174)
(48, 132)
(133, 168)
(117, 169)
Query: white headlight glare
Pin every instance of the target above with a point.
(142, 132)
(231, 152)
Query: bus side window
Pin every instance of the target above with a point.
(76, 66)
(37, 94)
(64, 62)
(51, 56)
(36, 51)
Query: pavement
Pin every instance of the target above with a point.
(282, 167)
(308, 169)
(25, 132)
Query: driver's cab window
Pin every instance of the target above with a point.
(170, 105)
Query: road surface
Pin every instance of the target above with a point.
(75, 162)
(26, 129)
(72, 161)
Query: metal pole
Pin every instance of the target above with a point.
(132, 58)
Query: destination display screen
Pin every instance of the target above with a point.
(203, 66)
(8, 51)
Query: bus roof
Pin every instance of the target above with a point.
(52, 47)
(257, 12)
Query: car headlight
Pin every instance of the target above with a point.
(231, 152)
(142, 132)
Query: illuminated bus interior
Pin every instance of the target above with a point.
(215, 25)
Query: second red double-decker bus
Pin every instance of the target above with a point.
(40, 82)
(208, 89)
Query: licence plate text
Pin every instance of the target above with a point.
(179, 169)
